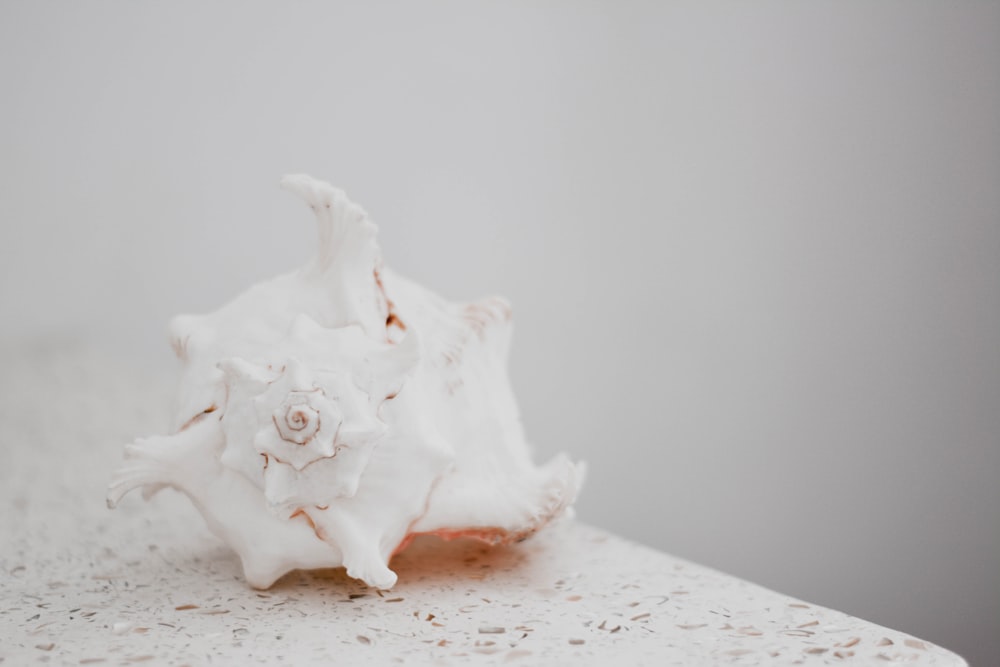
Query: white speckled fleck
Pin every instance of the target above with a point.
(80, 586)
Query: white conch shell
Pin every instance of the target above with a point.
(330, 414)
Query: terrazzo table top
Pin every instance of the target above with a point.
(80, 584)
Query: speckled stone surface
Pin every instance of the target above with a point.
(149, 585)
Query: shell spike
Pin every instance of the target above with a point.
(173, 460)
(180, 330)
(239, 370)
(344, 227)
(133, 477)
(347, 254)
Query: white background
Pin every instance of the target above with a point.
(753, 248)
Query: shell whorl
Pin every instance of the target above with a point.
(296, 419)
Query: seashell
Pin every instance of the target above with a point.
(330, 414)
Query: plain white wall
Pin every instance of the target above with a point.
(753, 248)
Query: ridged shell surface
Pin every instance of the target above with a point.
(328, 415)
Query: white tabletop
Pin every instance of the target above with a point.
(148, 584)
